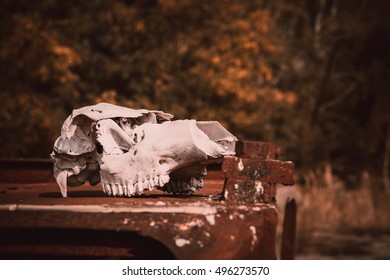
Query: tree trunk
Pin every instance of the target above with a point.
(386, 161)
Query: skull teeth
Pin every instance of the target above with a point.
(183, 187)
(136, 188)
(165, 178)
(196, 182)
(156, 181)
(114, 190)
(162, 182)
(107, 189)
(151, 184)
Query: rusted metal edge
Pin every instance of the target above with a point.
(289, 230)
(26, 170)
(191, 209)
(272, 171)
(26, 162)
(258, 150)
(203, 209)
(248, 232)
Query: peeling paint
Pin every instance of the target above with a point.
(187, 209)
(254, 236)
(180, 242)
(191, 225)
(240, 165)
(160, 203)
(211, 219)
(259, 187)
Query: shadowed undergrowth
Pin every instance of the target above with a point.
(338, 223)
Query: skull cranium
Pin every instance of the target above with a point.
(131, 151)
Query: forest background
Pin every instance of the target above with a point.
(311, 76)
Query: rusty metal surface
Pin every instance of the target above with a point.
(258, 150)
(289, 229)
(233, 217)
(272, 171)
(194, 227)
(249, 179)
(26, 170)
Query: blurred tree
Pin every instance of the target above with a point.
(309, 75)
(36, 81)
(337, 62)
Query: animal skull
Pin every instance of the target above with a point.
(131, 151)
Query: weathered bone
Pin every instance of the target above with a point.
(136, 150)
(165, 147)
(186, 180)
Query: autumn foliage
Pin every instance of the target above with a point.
(308, 75)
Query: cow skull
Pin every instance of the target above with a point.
(131, 151)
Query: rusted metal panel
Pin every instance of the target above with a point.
(248, 191)
(258, 150)
(68, 243)
(190, 227)
(272, 171)
(233, 217)
(289, 229)
(26, 171)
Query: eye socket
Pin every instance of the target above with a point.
(162, 161)
(99, 147)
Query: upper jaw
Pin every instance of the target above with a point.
(147, 164)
